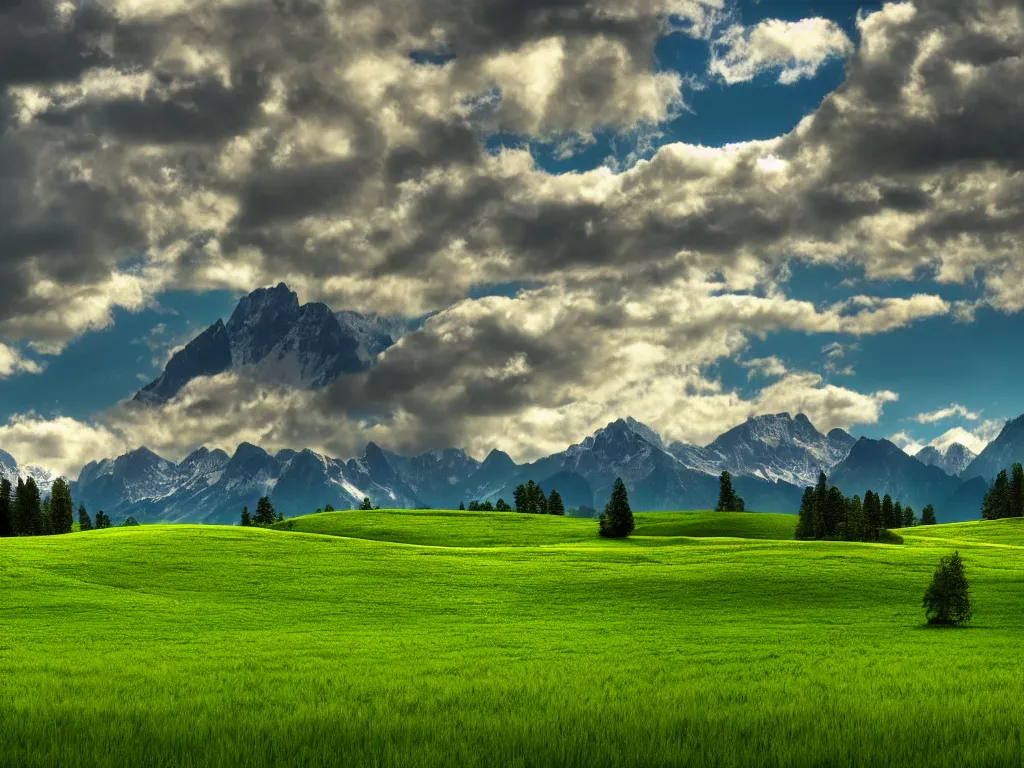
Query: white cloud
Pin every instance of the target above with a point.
(907, 442)
(12, 362)
(770, 366)
(949, 412)
(976, 439)
(795, 50)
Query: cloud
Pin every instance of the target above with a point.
(794, 49)
(954, 410)
(12, 362)
(907, 442)
(770, 366)
(976, 439)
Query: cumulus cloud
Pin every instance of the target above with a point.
(976, 439)
(770, 366)
(941, 414)
(794, 49)
(12, 362)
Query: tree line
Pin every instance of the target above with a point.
(1006, 496)
(528, 497)
(825, 513)
(24, 512)
(265, 515)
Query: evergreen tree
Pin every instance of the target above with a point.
(84, 521)
(47, 517)
(835, 512)
(928, 515)
(265, 512)
(617, 520)
(62, 508)
(996, 504)
(805, 520)
(897, 513)
(856, 528)
(726, 494)
(367, 504)
(555, 504)
(888, 513)
(502, 506)
(519, 498)
(487, 507)
(28, 517)
(246, 517)
(909, 521)
(6, 511)
(820, 499)
(102, 520)
(328, 508)
(1016, 505)
(873, 512)
(947, 601)
(532, 492)
(462, 506)
(129, 522)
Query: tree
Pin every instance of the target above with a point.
(102, 519)
(818, 513)
(834, 513)
(129, 522)
(502, 506)
(265, 512)
(856, 528)
(46, 517)
(555, 503)
(246, 517)
(617, 520)
(1016, 501)
(462, 506)
(888, 513)
(928, 515)
(28, 509)
(84, 521)
(728, 501)
(909, 521)
(947, 601)
(62, 508)
(367, 504)
(996, 504)
(328, 508)
(805, 520)
(519, 498)
(897, 513)
(6, 513)
(873, 511)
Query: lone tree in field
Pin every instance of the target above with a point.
(367, 504)
(6, 522)
(246, 517)
(555, 504)
(947, 601)
(928, 515)
(617, 520)
(728, 501)
(84, 521)
(62, 508)
(265, 512)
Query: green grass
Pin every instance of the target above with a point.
(211, 646)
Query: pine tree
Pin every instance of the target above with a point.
(617, 520)
(947, 601)
(996, 504)
(555, 504)
(6, 511)
(928, 515)
(805, 520)
(367, 504)
(462, 506)
(102, 520)
(873, 513)
(246, 517)
(265, 512)
(856, 528)
(519, 498)
(328, 508)
(47, 517)
(888, 513)
(1016, 505)
(84, 521)
(502, 506)
(818, 513)
(28, 509)
(897, 514)
(726, 495)
(835, 512)
(62, 508)
(909, 521)
(129, 522)
(532, 506)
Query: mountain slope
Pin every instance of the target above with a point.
(281, 342)
(952, 461)
(1001, 453)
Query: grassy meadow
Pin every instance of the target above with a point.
(399, 638)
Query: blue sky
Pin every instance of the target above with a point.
(931, 362)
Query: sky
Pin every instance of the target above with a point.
(685, 211)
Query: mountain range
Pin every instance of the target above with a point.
(771, 457)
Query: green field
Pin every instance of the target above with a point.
(396, 638)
